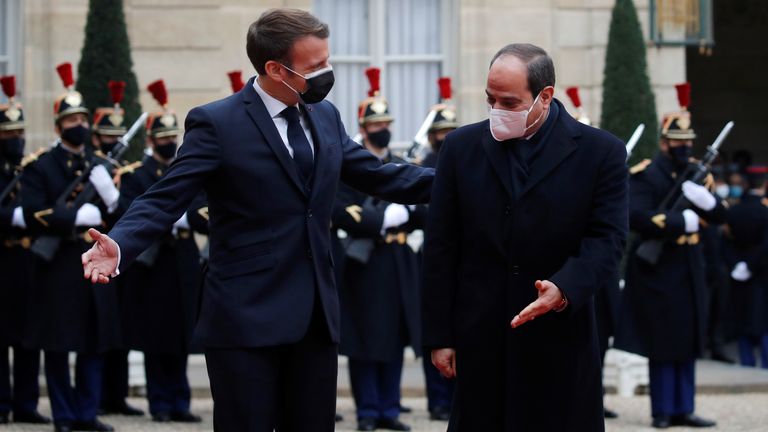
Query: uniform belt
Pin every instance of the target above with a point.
(23, 242)
(692, 239)
(400, 238)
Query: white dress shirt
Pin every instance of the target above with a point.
(275, 108)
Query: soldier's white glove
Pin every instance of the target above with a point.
(699, 196)
(395, 215)
(741, 272)
(18, 218)
(103, 184)
(88, 216)
(182, 223)
(691, 221)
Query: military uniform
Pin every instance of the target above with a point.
(439, 389)
(665, 306)
(162, 288)
(16, 268)
(379, 296)
(70, 314)
(747, 257)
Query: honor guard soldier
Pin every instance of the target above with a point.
(162, 288)
(379, 296)
(606, 298)
(16, 268)
(71, 315)
(443, 123)
(665, 304)
(747, 258)
(439, 389)
(108, 127)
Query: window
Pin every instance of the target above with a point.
(682, 22)
(405, 38)
(10, 19)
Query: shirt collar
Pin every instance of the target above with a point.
(274, 106)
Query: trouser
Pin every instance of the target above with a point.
(673, 387)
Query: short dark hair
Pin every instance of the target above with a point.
(541, 69)
(271, 37)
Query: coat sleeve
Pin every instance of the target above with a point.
(603, 242)
(41, 214)
(643, 215)
(153, 213)
(441, 255)
(353, 217)
(399, 183)
(197, 214)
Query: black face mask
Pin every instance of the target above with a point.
(681, 155)
(12, 150)
(166, 151)
(436, 145)
(380, 139)
(76, 135)
(107, 148)
(319, 84)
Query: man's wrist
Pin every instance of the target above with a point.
(563, 302)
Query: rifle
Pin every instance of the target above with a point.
(634, 139)
(46, 246)
(418, 149)
(650, 250)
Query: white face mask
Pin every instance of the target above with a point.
(722, 191)
(506, 125)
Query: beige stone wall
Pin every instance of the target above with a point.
(574, 32)
(191, 44)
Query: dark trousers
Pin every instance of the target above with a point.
(114, 388)
(167, 385)
(287, 388)
(747, 351)
(673, 387)
(376, 388)
(78, 403)
(22, 396)
(439, 388)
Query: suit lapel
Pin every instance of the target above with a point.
(260, 116)
(559, 145)
(499, 159)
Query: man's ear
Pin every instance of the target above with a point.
(547, 95)
(274, 70)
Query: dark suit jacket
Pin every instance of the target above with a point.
(486, 247)
(269, 233)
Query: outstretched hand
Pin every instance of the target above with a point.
(550, 298)
(100, 261)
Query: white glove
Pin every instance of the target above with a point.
(395, 215)
(18, 218)
(182, 223)
(88, 216)
(102, 181)
(699, 196)
(741, 272)
(691, 221)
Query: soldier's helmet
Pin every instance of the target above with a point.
(162, 123)
(11, 113)
(756, 175)
(573, 95)
(677, 125)
(111, 120)
(70, 102)
(374, 108)
(445, 111)
(236, 80)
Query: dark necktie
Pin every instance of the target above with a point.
(302, 152)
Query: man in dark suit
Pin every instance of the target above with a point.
(528, 219)
(270, 159)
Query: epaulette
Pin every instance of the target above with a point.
(28, 159)
(130, 168)
(640, 167)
